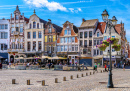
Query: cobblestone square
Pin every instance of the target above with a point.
(94, 82)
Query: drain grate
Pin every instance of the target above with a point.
(103, 82)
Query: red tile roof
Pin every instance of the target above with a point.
(118, 28)
(101, 26)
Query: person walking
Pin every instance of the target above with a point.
(124, 66)
(49, 65)
(105, 67)
(95, 67)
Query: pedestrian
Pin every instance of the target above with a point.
(49, 65)
(108, 66)
(95, 67)
(105, 67)
(114, 65)
(9, 64)
(124, 66)
(0, 65)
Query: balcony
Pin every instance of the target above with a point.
(15, 50)
(15, 33)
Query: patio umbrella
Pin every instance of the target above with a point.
(43, 57)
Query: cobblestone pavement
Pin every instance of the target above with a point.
(94, 82)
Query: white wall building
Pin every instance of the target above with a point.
(4, 39)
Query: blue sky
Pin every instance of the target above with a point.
(60, 11)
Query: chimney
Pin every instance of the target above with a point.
(83, 20)
(49, 20)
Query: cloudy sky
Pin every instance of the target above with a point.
(60, 11)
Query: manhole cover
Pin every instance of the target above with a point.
(39, 81)
(103, 82)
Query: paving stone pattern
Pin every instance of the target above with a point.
(121, 80)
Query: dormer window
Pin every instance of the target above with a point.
(67, 26)
(97, 34)
(37, 25)
(49, 28)
(34, 24)
(67, 32)
(17, 17)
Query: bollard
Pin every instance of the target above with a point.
(71, 77)
(77, 76)
(43, 82)
(56, 80)
(86, 74)
(28, 82)
(93, 72)
(13, 81)
(90, 73)
(101, 71)
(82, 75)
(64, 78)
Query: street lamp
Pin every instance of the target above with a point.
(109, 23)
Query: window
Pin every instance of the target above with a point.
(5, 35)
(12, 30)
(81, 34)
(39, 34)
(5, 47)
(17, 25)
(81, 42)
(95, 43)
(62, 48)
(58, 48)
(113, 36)
(97, 34)
(21, 30)
(29, 45)
(2, 26)
(34, 45)
(62, 40)
(34, 24)
(49, 38)
(17, 29)
(17, 17)
(45, 47)
(69, 32)
(66, 48)
(98, 42)
(2, 35)
(65, 32)
(6, 26)
(69, 47)
(90, 34)
(28, 36)
(101, 41)
(45, 38)
(39, 45)
(97, 52)
(85, 43)
(34, 35)
(30, 26)
(90, 42)
(69, 40)
(113, 50)
(76, 48)
(54, 38)
(49, 29)
(66, 39)
(37, 25)
(105, 37)
(84, 51)
(72, 48)
(12, 25)
(2, 46)
(101, 52)
(94, 52)
(85, 34)
(73, 39)
(89, 51)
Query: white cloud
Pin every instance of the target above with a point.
(52, 6)
(71, 9)
(77, 2)
(79, 9)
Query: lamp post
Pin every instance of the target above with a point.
(109, 23)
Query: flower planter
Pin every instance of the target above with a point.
(112, 40)
(106, 42)
(116, 47)
(102, 47)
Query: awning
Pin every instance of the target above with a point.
(43, 57)
(56, 57)
(20, 58)
(4, 55)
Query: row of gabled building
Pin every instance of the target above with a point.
(35, 37)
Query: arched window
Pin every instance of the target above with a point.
(34, 24)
